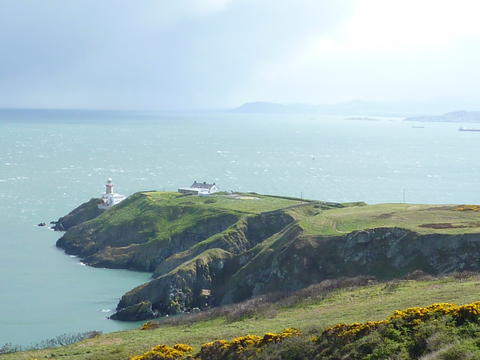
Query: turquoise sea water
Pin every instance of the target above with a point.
(50, 162)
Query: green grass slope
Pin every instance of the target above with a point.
(314, 312)
(239, 202)
(423, 219)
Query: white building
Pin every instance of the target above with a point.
(109, 198)
(199, 189)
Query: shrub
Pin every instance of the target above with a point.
(150, 325)
(165, 352)
(9, 348)
(468, 208)
(465, 350)
(243, 347)
(60, 340)
(410, 317)
(293, 348)
(65, 339)
(408, 334)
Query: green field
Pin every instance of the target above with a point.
(242, 202)
(423, 219)
(372, 302)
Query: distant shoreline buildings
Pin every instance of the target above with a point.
(198, 188)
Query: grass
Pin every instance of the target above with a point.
(423, 219)
(241, 202)
(372, 302)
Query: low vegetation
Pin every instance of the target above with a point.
(311, 312)
(165, 352)
(57, 341)
(239, 202)
(468, 208)
(423, 219)
(438, 331)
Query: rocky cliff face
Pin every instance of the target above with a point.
(204, 256)
(293, 261)
(200, 274)
(298, 261)
(81, 214)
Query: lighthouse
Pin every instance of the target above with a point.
(110, 198)
(109, 186)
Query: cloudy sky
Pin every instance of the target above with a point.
(195, 54)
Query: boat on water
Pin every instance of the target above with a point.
(468, 129)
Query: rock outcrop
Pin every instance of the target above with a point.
(81, 214)
(298, 260)
(139, 311)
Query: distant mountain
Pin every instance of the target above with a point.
(363, 108)
(456, 116)
(261, 107)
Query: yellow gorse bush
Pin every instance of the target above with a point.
(353, 328)
(183, 347)
(221, 349)
(412, 316)
(165, 352)
(274, 338)
(468, 208)
(217, 350)
(149, 325)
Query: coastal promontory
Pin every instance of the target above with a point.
(206, 251)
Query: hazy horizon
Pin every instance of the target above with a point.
(395, 109)
(218, 54)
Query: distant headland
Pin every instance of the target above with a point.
(453, 117)
(351, 108)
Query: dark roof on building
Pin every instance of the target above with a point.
(204, 185)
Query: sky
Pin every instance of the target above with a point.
(214, 54)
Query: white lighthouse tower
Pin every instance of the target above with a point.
(109, 198)
(109, 186)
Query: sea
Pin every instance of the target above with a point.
(52, 161)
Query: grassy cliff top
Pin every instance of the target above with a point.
(165, 213)
(242, 202)
(315, 217)
(423, 219)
